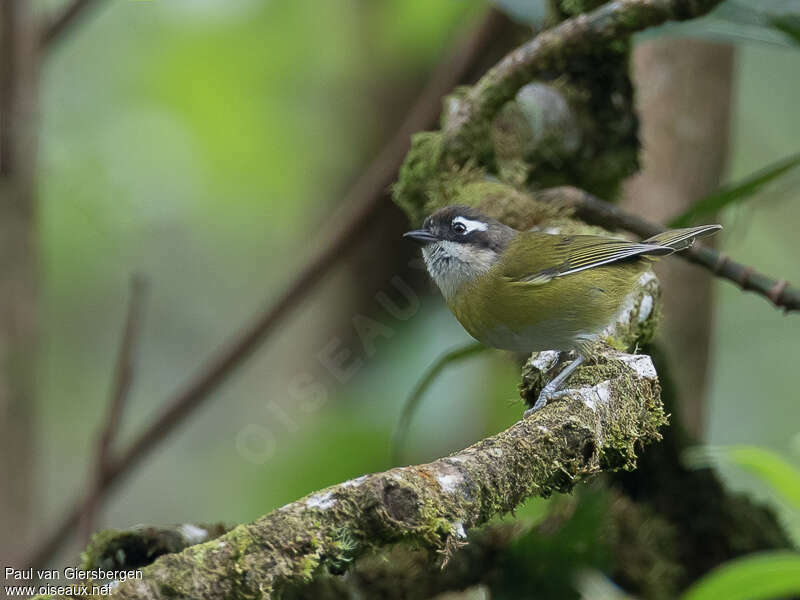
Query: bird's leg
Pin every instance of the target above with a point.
(553, 386)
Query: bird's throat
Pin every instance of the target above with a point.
(452, 265)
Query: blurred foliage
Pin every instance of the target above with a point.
(740, 21)
(533, 12)
(760, 576)
(773, 22)
(788, 24)
(764, 575)
(195, 142)
(773, 472)
(593, 585)
(425, 381)
(553, 560)
(203, 144)
(737, 192)
(770, 575)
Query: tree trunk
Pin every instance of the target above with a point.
(18, 272)
(684, 91)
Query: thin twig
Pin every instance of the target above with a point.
(599, 212)
(123, 378)
(361, 204)
(448, 358)
(55, 28)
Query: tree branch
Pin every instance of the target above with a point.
(465, 137)
(55, 28)
(123, 378)
(612, 408)
(599, 212)
(126, 549)
(550, 50)
(508, 556)
(360, 205)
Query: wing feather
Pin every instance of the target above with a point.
(570, 254)
(680, 239)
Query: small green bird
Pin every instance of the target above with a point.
(529, 291)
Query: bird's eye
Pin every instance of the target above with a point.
(459, 227)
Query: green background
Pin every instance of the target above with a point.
(205, 145)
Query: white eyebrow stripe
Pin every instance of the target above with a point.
(471, 225)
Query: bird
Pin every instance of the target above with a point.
(530, 291)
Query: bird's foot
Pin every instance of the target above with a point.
(549, 391)
(545, 396)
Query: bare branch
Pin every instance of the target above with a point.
(360, 205)
(55, 28)
(123, 378)
(599, 212)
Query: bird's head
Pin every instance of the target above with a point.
(459, 244)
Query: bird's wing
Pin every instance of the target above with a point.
(680, 239)
(535, 258)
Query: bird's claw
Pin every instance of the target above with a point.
(545, 395)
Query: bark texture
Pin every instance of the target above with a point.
(610, 409)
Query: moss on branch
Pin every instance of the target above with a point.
(597, 425)
(594, 529)
(115, 549)
(584, 59)
(552, 50)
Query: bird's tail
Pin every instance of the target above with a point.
(680, 239)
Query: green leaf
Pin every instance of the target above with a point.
(774, 470)
(788, 24)
(770, 467)
(755, 577)
(736, 192)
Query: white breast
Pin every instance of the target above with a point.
(452, 264)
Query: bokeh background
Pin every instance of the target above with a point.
(207, 145)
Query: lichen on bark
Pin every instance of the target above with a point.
(432, 505)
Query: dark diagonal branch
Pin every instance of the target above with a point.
(613, 408)
(121, 385)
(360, 205)
(599, 212)
(56, 26)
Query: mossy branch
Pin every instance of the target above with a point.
(552, 50)
(595, 529)
(123, 549)
(613, 408)
(573, 46)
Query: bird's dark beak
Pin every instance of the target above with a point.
(421, 236)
